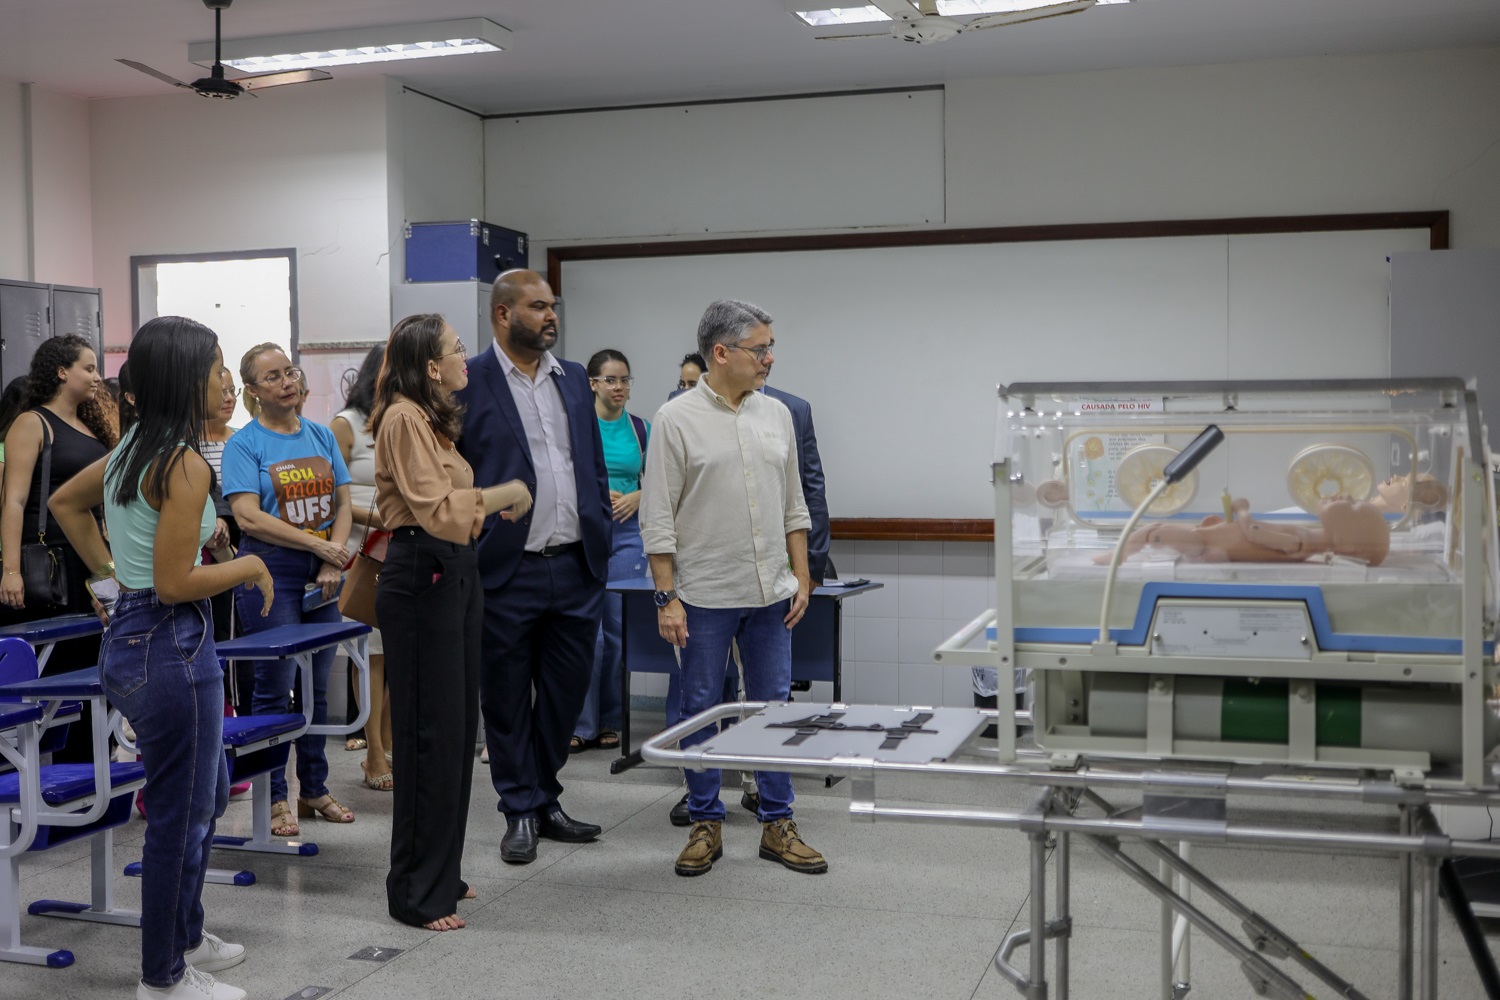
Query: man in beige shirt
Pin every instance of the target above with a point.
(725, 525)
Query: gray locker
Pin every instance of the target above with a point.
(31, 312)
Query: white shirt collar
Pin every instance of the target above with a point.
(549, 363)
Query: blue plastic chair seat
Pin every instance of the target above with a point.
(246, 729)
(64, 783)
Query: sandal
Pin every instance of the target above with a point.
(608, 740)
(577, 744)
(356, 743)
(381, 782)
(327, 807)
(282, 823)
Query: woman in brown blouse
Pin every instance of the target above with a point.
(429, 603)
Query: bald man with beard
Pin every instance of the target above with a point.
(530, 416)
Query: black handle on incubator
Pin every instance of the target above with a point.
(1187, 460)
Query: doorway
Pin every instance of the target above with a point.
(247, 297)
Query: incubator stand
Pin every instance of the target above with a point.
(1298, 643)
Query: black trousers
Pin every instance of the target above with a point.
(430, 607)
(539, 632)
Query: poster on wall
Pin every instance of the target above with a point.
(1107, 467)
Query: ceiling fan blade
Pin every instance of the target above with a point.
(156, 73)
(265, 80)
(834, 38)
(1034, 14)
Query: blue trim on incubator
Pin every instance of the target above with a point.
(1312, 597)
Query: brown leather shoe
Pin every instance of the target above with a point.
(780, 842)
(705, 846)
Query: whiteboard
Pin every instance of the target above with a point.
(899, 350)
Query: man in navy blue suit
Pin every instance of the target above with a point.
(530, 416)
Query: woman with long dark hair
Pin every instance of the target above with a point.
(351, 426)
(61, 411)
(12, 402)
(431, 606)
(158, 663)
(289, 489)
(624, 437)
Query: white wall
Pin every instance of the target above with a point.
(821, 163)
(14, 243)
(61, 197)
(1390, 132)
(444, 161)
(304, 167)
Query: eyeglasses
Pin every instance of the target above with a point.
(462, 352)
(683, 383)
(614, 380)
(230, 392)
(759, 352)
(274, 379)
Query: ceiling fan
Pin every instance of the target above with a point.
(919, 21)
(216, 84)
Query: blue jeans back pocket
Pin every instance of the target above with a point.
(122, 664)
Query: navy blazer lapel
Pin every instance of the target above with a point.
(494, 380)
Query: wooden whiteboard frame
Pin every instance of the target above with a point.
(975, 530)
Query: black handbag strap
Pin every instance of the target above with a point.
(41, 509)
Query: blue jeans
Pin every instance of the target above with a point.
(158, 667)
(291, 571)
(766, 653)
(601, 706)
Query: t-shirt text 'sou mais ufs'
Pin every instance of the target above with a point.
(304, 491)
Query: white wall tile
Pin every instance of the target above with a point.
(958, 687)
(920, 557)
(843, 554)
(871, 684)
(879, 603)
(918, 638)
(919, 684)
(876, 560)
(920, 595)
(964, 597)
(822, 691)
(967, 558)
(876, 638)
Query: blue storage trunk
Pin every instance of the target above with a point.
(462, 251)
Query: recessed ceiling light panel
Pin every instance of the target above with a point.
(842, 15)
(352, 46)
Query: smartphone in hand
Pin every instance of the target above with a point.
(106, 591)
(312, 597)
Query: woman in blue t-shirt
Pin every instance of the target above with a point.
(625, 437)
(286, 481)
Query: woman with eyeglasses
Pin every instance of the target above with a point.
(625, 437)
(430, 602)
(287, 484)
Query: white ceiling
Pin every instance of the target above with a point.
(601, 53)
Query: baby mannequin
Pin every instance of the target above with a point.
(1353, 528)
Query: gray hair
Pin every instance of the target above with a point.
(726, 322)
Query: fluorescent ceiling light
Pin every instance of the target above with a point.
(843, 15)
(352, 46)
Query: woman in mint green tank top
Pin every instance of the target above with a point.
(157, 662)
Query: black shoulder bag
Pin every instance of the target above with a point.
(44, 573)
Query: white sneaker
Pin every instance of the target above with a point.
(193, 985)
(214, 954)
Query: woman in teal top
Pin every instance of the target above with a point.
(624, 437)
(157, 663)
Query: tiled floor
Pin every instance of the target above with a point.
(906, 910)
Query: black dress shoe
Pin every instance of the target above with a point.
(679, 814)
(558, 825)
(751, 802)
(518, 846)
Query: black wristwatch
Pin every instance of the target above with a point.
(664, 597)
